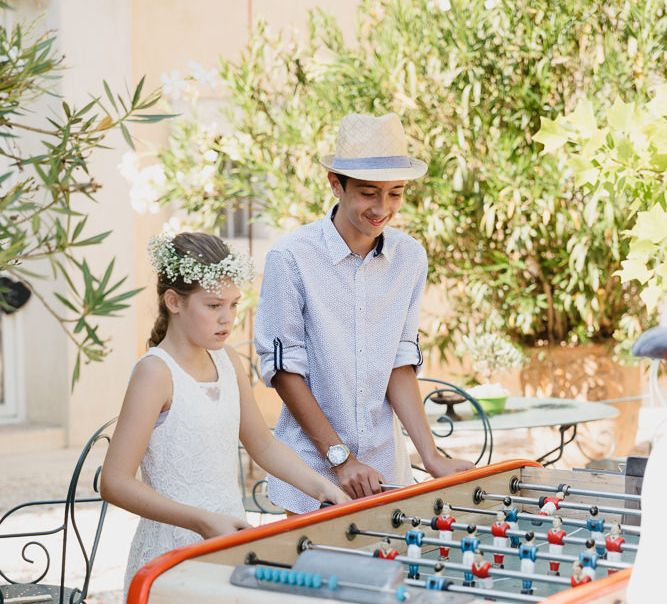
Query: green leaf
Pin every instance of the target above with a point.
(619, 115)
(137, 92)
(551, 135)
(126, 135)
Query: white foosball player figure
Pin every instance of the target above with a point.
(555, 537)
(614, 542)
(499, 531)
(480, 568)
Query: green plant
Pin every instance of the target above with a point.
(518, 247)
(491, 354)
(621, 164)
(42, 217)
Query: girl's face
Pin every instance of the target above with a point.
(207, 318)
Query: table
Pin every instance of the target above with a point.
(529, 412)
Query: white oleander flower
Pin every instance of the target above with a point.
(147, 188)
(205, 77)
(173, 85)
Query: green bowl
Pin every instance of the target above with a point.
(492, 406)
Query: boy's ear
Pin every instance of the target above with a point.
(335, 184)
(172, 301)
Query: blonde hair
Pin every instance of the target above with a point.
(207, 249)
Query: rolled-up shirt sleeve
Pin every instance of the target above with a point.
(409, 351)
(279, 324)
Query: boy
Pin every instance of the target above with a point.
(336, 326)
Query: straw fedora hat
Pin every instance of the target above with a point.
(373, 148)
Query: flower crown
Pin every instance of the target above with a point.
(239, 268)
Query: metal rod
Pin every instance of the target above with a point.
(491, 548)
(489, 593)
(625, 528)
(568, 490)
(626, 547)
(446, 565)
(388, 487)
(566, 505)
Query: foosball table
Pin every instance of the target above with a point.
(509, 532)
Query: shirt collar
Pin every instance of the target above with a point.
(338, 249)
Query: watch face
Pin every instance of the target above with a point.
(337, 454)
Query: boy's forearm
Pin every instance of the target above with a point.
(405, 399)
(299, 399)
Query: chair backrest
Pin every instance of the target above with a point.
(441, 387)
(86, 546)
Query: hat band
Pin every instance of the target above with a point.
(371, 163)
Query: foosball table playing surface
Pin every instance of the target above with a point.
(509, 532)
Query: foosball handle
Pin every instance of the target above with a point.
(326, 504)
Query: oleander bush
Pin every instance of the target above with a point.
(519, 248)
(45, 194)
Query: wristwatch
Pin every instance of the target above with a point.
(337, 454)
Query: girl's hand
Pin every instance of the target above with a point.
(214, 525)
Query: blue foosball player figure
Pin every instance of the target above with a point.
(512, 518)
(528, 555)
(589, 559)
(414, 541)
(469, 544)
(596, 526)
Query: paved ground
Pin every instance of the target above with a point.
(45, 475)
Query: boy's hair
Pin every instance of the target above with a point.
(342, 179)
(207, 249)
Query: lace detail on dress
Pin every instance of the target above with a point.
(191, 456)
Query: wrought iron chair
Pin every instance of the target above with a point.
(440, 387)
(87, 547)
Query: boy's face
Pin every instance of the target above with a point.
(367, 206)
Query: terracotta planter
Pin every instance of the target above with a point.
(588, 372)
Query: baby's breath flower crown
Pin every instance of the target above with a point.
(236, 267)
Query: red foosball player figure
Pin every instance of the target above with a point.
(499, 531)
(480, 568)
(385, 551)
(550, 505)
(614, 543)
(555, 536)
(443, 524)
(578, 577)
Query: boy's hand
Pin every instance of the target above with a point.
(443, 466)
(358, 479)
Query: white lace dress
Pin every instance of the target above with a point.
(191, 456)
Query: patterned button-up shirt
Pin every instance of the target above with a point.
(343, 322)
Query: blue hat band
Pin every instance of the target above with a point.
(371, 163)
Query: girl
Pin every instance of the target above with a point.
(187, 403)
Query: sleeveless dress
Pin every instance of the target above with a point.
(191, 457)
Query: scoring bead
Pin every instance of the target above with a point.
(401, 593)
(332, 583)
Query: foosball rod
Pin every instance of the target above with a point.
(482, 495)
(483, 547)
(485, 593)
(625, 528)
(626, 547)
(516, 485)
(446, 565)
